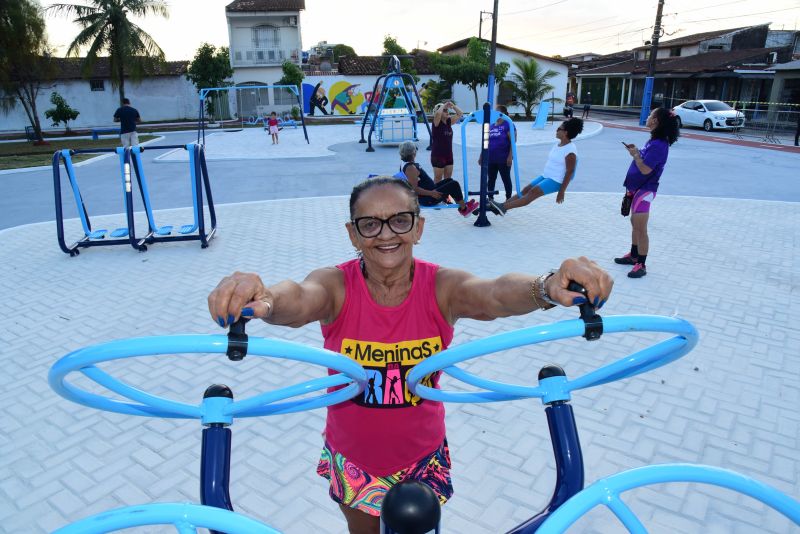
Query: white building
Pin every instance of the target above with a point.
(163, 96)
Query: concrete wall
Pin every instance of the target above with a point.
(161, 98)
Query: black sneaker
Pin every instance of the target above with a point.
(627, 259)
(638, 271)
(496, 208)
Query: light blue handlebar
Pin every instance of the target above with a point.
(607, 491)
(351, 375)
(639, 362)
(185, 517)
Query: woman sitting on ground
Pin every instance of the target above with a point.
(557, 173)
(431, 193)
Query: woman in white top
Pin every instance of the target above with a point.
(557, 173)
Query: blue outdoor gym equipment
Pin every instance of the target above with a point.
(216, 413)
(397, 123)
(130, 158)
(479, 117)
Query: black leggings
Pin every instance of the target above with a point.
(505, 174)
(447, 186)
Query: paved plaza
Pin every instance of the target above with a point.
(725, 256)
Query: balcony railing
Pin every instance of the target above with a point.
(255, 57)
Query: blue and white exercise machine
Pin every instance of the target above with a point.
(394, 117)
(130, 158)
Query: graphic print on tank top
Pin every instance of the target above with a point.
(387, 366)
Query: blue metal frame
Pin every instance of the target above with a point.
(554, 388)
(480, 117)
(186, 518)
(395, 73)
(130, 158)
(201, 120)
(607, 491)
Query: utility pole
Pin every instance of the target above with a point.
(647, 98)
(480, 23)
(487, 110)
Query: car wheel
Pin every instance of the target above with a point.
(678, 121)
(707, 125)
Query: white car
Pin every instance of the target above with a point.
(709, 115)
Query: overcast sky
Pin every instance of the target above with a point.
(547, 27)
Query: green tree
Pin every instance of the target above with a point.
(471, 70)
(435, 92)
(211, 67)
(24, 58)
(343, 50)
(107, 28)
(292, 74)
(391, 48)
(62, 112)
(529, 84)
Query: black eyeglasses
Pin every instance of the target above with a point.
(399, 223)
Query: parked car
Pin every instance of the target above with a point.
(709, 115)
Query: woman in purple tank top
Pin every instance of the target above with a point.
(442, 139)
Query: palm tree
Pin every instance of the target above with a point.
(529, 83)
(106, 27)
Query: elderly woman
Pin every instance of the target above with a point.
(445, 114)
(384, 299)
(429, 192)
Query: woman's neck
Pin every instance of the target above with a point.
(565, 142)
(388, 278)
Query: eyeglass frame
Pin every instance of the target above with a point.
(385, 222)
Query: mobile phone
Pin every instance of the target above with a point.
(624, 143)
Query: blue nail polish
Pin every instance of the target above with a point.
(579, 300)
(220, 321)
(602, 302)
(230, 319)
(247, 312)
(596, 301)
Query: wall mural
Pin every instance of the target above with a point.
(340, 98)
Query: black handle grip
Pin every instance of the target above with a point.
(237, 340)
(593, 322)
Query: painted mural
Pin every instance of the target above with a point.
(337, 97)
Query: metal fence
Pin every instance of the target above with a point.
(767, 121)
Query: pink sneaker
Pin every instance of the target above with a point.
(471, 205)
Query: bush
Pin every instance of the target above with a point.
(295, 113)
(62, 112)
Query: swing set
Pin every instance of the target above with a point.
(218, 95)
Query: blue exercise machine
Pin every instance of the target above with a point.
(398, 122)
(130, 158)
(407, 507)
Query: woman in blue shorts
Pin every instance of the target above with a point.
(641, 183)
(557, 173)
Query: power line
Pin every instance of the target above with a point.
(740, 16)
(532, 9)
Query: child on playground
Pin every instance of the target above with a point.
(557, 173)
(272, 124)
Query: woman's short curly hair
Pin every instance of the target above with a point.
(407, 151)
(573, 127)
(383, 181)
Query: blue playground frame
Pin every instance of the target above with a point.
(394, 79)
(201, 120)
(130, 158)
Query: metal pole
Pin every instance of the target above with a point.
(651, 69)
(493, 53)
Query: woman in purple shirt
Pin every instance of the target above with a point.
(641, 183)
(500, 155)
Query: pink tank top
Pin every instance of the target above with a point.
(386, 428)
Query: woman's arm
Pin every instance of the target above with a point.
(412, 173)
(637, 159)
(571, 160)
(317, 298)
(463, 295)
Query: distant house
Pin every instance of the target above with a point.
(732, 64)
(465, 98)
(164, 95)
(263, 34)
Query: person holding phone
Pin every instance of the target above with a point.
(641, 183)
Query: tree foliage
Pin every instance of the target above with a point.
(25, 62)
(343, 50)
(62, 112)
(211, 67)
(391, 48)
(105, 27)
(292, 74)
(435, 92)
(471, 69)
(530, 83)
